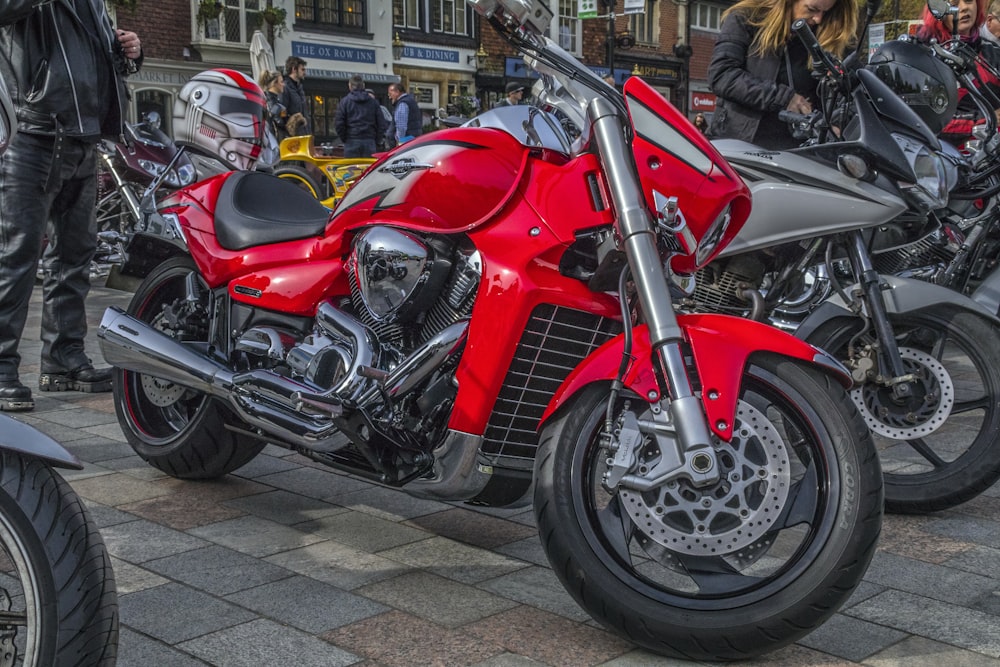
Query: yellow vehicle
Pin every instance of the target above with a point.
(319, 169)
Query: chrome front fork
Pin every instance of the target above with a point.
(638, 238)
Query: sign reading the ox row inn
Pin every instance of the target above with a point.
(307, 50)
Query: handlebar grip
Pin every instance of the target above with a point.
(805, 34)
(786, 116)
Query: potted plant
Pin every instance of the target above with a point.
(274, 17)
(208, 10)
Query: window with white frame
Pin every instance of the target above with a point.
(332, 13)
(448, 17)
(440, 17)
(646, 26)
(236, 22)
(706, 16)
(406, 14)
(568, 29)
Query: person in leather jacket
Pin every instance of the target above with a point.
(759, 67)
(966, 27)
(64, 64)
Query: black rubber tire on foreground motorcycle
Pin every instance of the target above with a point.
(301, 178)
(968, 475)
(48, 535)
(187, 439)
(793, 602)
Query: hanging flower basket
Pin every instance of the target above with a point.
(273, 15)
(208, 10)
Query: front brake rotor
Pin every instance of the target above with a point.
(729, 515)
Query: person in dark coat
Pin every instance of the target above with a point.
(293, 97)
(759, 67)
(359, 122)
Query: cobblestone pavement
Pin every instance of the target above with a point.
(289, 563)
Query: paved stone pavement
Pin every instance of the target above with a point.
(286, 562)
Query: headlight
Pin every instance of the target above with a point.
(930, 171)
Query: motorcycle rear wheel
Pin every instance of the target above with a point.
(179, 431)
(956, 356)
(722, 603)
(57, 592)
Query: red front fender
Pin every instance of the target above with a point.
(721, 345)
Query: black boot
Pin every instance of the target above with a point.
(15, 397)
(85, 378)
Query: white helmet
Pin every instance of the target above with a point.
(221, 112)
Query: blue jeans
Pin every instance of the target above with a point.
(359, 147)
(26, 209)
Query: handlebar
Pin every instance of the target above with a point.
(805, 34)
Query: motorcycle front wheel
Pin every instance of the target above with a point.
(731, 570)
(939, 446)
(177, 430)
(58, 601)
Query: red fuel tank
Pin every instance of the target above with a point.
(447, 181)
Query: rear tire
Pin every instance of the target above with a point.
(58, 585)
(180, 431)
(708, 592)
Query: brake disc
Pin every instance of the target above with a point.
(917, 416)
(730, 515)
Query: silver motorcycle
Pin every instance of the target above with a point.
(925, 360)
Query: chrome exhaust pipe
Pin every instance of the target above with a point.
(135, 346)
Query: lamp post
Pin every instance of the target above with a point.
(397, 48)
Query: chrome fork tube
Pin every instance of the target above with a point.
(639, 242)
(126, 192)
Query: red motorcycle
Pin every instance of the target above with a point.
(487, 316)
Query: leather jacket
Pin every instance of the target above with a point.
(745, 84)
(50, 57)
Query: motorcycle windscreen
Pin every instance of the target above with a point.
(674, 158)
(447, 181)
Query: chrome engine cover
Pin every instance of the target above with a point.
(388, 267)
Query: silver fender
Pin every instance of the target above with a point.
(987, 294)
(23, 439)
(903, 295)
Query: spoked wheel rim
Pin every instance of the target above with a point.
(793, 513)
(20, 610)
(953, 408)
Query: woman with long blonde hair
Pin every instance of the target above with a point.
(759, 67)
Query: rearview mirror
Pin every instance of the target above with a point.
(941, 8)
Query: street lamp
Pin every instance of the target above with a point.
(397, 48)
(480, 57)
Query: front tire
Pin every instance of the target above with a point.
(58, 595)
(733, 570)
(180, 431)
(940, 447)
